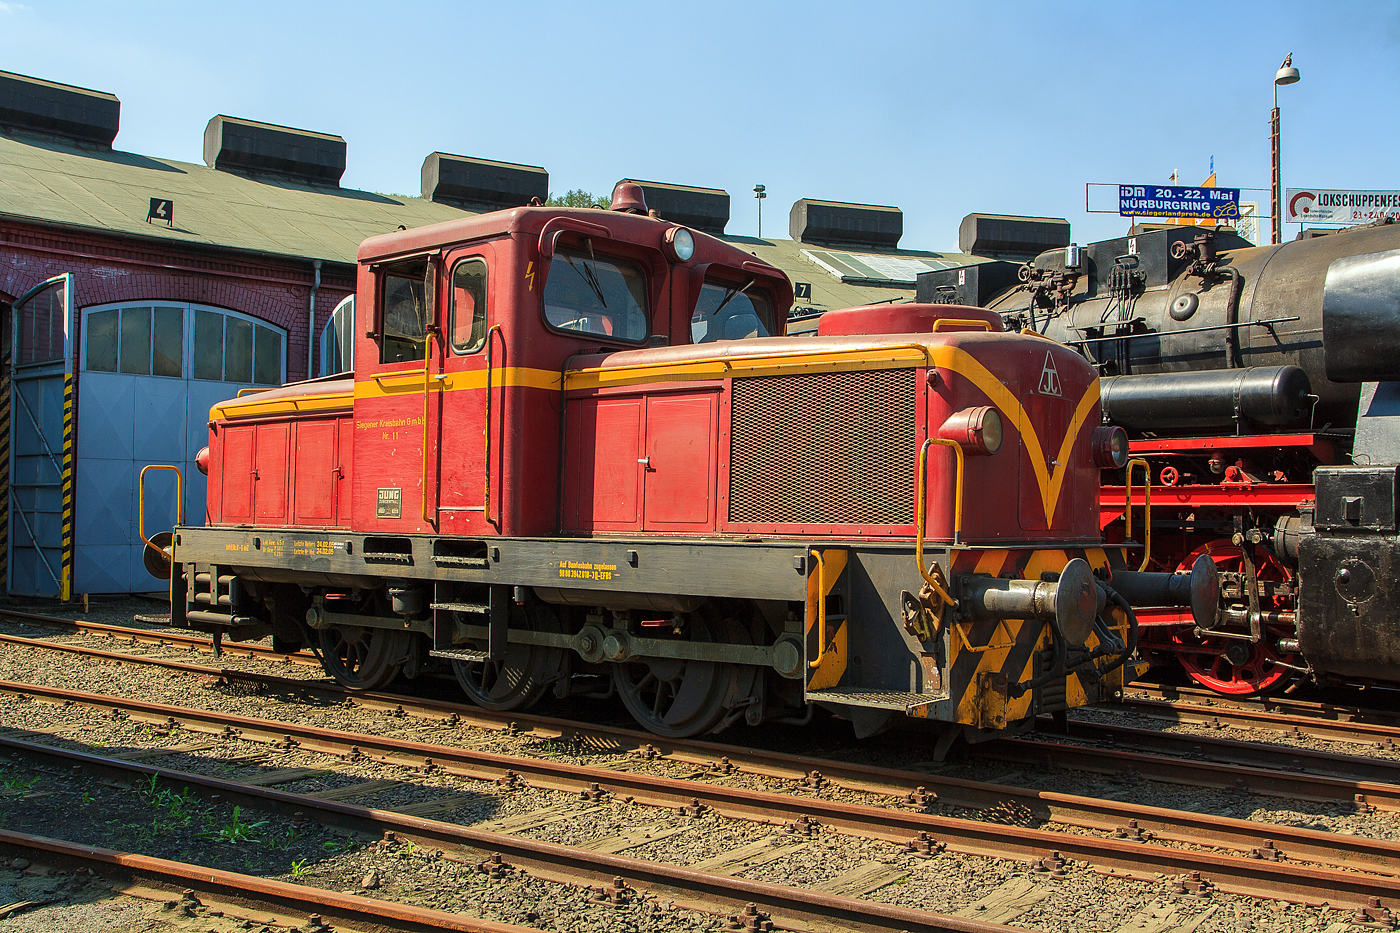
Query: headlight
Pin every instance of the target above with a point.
(1110, 447)
(977, 430)
(201, 460)
(681, 243)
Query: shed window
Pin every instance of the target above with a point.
(154, 340)
(140, 341)
(338, 340)
(40, 320)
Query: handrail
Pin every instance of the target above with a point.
(427, 383)
(486, 454)
(549, 233)
(920, 521)
(1146, 508)
(821, 609)
(141, 498)
(251, 390)
(856, 355)
(959, 322)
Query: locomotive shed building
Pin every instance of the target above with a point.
(136, 292)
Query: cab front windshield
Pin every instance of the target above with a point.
(598, 296)
(730, 312)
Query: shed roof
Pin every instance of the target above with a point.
(49, 181)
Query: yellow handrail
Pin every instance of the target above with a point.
(959, 322)
(427, 383)
(920, 523)
(1146, 508)
(179, 499)
(251, 391)
(486, 455)
(821, 609)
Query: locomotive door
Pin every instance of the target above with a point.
(469, 358)
(41, 441)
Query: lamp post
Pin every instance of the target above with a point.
(760, 192)
(1286, 74)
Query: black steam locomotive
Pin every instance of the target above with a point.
(1259, 387)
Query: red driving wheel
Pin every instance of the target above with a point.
(1230, 665)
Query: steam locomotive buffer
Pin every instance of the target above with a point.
(1258, 386)
(570, 458)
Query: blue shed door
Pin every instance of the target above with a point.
(41, 442)
(150, 373)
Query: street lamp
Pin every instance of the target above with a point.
(761, 192)
(1286, 74)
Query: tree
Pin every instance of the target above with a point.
(577, 197)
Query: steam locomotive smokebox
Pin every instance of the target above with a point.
(58, 110)
(1153, 251)
(834, 223)
(1361, 318)
(480, 183)
(703, 209)
(969, 285)
(252, 148)
(1268, 395)
(1016, 239)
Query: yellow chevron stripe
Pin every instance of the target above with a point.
(1049, 479)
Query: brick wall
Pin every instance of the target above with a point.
(109, 268)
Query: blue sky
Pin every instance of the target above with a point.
(939, 108)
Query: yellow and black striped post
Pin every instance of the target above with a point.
(5, 467)
(67, 486)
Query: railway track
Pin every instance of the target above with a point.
(1120, 818)
(1260, 876)
(790, 907)
(248, 895)
(1319, 720)
(138, 636)
(1243, 767)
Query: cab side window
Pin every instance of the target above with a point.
(404, 312)
(468, 305)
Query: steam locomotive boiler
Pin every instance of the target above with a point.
(571, 459)
(1258, 386)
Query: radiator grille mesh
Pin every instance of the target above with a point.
(824, 448)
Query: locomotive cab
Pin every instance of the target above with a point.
(571, 459)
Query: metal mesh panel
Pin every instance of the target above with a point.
(824, 449)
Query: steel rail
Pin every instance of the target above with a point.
(1125, 820)
(1264, 720)
(167, 639)
(1252, 877)
(1284, 705)
(790, 906)
(252, 890)
(1240, 779)
(1254, 754)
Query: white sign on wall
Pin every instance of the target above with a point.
(1331, 206)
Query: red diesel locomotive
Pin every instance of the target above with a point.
(570, 458)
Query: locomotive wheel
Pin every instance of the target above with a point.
(678, 698)
(520, 678)
(1229, 665)
(363, 658)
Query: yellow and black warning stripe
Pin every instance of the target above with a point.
(69, 438)
(988, 657)
(5, 466)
